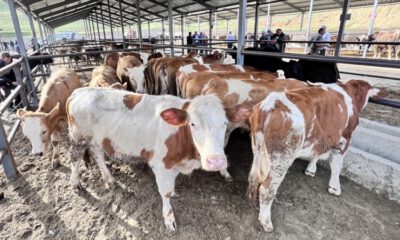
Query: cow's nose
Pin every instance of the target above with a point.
(39, 154)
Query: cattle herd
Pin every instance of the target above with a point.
(177, 113)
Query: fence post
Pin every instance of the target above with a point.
(6, 157)
(22, 92)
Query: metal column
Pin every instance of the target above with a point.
(371, 26)
(148, 29)
(269, 18)
(171, 26)
(309, 24)
(241, 31)
(122, 23)
(102, 22)
(163, 30)
(94, 30)
(109, 15)
(41, 30)
(139, 23)
(256, 23)
(182, 32)
(215, 24)
(198, 24)
(21, 44)
(30, 19)
(97, 23)
(7, 160)
(210, 27)
(341, 27)
(301, 21)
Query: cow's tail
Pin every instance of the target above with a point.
(261, 165)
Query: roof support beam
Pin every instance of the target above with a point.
(292, 6)
(141, 9)
(124, 11)
(204, 4)
(82, 12)
(73, 8)
(57, 5)
(165, 6)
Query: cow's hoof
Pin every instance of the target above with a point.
(170, 224)
(334, 191)
(77, 187)
(267, 227)
(309, 173)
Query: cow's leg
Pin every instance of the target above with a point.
(165, 179)
(75, 153)
(225, 174)
(55, 142)
(311, 167)
(99, 157)
(269, 188)
(336, 164)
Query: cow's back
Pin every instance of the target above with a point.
(57, 89)
(103, 76)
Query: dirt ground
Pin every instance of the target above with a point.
(40, 204)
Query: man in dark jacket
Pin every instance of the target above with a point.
(279, 38)
(8, 81)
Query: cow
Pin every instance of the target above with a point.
(105, 76)
(158, 76)
(34, 62)
(385, 36)
(174, 135)
(218, 56)
(313, 123)
(45, 124)
(111, 60)
(124, 64)
(304, 70)
(234, 94)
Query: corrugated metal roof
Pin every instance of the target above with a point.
(60, 12)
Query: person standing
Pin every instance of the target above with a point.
(230, 38)
(279, 38)
(326, 38)
(315, 46)
(189, 41)
(12, 45)
(265, 39)
(8, 81)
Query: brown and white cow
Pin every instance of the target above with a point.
(236, 94)
(158, 76)
(385, 36)
(313, 123)
(125, 63)
(218, 56)
(105, 76)
(174, 135)
(111, 60)
(45, 124)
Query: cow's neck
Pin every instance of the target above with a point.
(180, 147)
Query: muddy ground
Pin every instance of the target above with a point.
(40, 204)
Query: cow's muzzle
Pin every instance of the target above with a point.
(216, 163)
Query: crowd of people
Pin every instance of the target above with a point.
(9, 46)
(269, 41)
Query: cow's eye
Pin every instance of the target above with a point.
(44, 132)
(192, 124)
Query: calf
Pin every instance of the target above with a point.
(313, 123)
(124, 64)
(236, 94)
(45, 124)
(174, 135)
(158, 76)
(105, 76)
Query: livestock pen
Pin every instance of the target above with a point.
(38, 203)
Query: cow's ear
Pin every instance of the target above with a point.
(54, 112)
(174, 116)
(239, 113)
(21, 113)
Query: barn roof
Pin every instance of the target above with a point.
(60, 12)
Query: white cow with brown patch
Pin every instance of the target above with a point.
(45, 124)
(174, 135)
(312, 123)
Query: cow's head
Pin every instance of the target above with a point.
(38, 127)
(361, 91)
(206, 123)
(137, 79)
